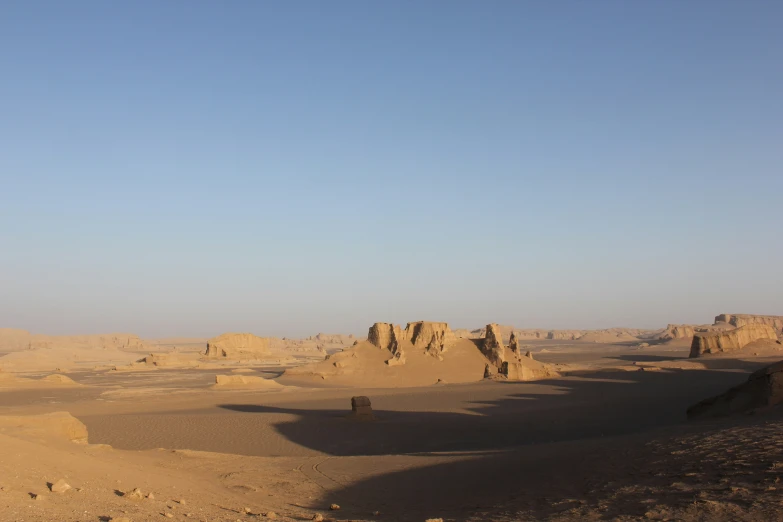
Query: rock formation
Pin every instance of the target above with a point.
(361, 408)
(432, 337)
(762, 389)
(492, 345)
(385, 336)
(234, 345)
(526, 369)
(429, 335)
(513, 343)
(678, 331)
(731, 340)
(775, 321)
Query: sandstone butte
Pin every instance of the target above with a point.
(775, 321)
(430, 335)
(731, 340)
(492, 346)
(236, 344)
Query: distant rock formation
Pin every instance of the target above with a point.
(385, 336)
(233, 345)
(526, 369)
(433, 337)
(731, 340)
(678, 331)
(513, 343)
(492, 345)
(763, 388)
(738, 320)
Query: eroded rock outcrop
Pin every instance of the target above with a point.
(678, 331)
(492, 346)
(763, 388)
(526, 369)
(385, 336)
(432, 337)
(232, 345)
(513, 343)
(738, 320)
(731, 340)
(429, 335)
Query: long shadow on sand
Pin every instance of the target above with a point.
(499, 462)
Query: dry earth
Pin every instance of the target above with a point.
(606, 440)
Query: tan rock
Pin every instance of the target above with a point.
(334, 507)
(385, 336)
(318, 517)
(233, 345)
(526, 369)
(61, 425)
(513, 343)
(134, 494)
(731, 340)
(492, 346)
(60, 486)
(738, 320)
(433, 337)
(362, 408)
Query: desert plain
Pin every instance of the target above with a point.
(415, 423)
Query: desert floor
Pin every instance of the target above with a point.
(609, 441)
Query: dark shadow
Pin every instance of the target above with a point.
(640, 357)
(608, 403)
(537, 443)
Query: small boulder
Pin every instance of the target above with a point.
(134, 494)
(361, 408)
(318, 517)
(60, 486)
(334, 507)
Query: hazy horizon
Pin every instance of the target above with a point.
(192, 168)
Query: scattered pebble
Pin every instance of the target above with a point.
(318, 517)
(376, 513)
(36, 496)
(334, 507)
(121, 519)
(60, 486)
(270, 514)
(168, 515)
(181, 501)
(434, 520)
(151, 496)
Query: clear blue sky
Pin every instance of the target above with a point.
(285, 168)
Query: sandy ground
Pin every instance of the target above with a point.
(607, 441)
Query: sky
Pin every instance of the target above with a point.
(187, 168)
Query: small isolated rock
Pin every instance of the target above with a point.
(121, 519)
(150, 496)
(248, 511)
(181, 501)
(334, 507)
(36, 496)
(270, 514)
(135, 494)
(376, 513)
(168, 515)
(318, 517)
(60, 486)
(434, 520)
